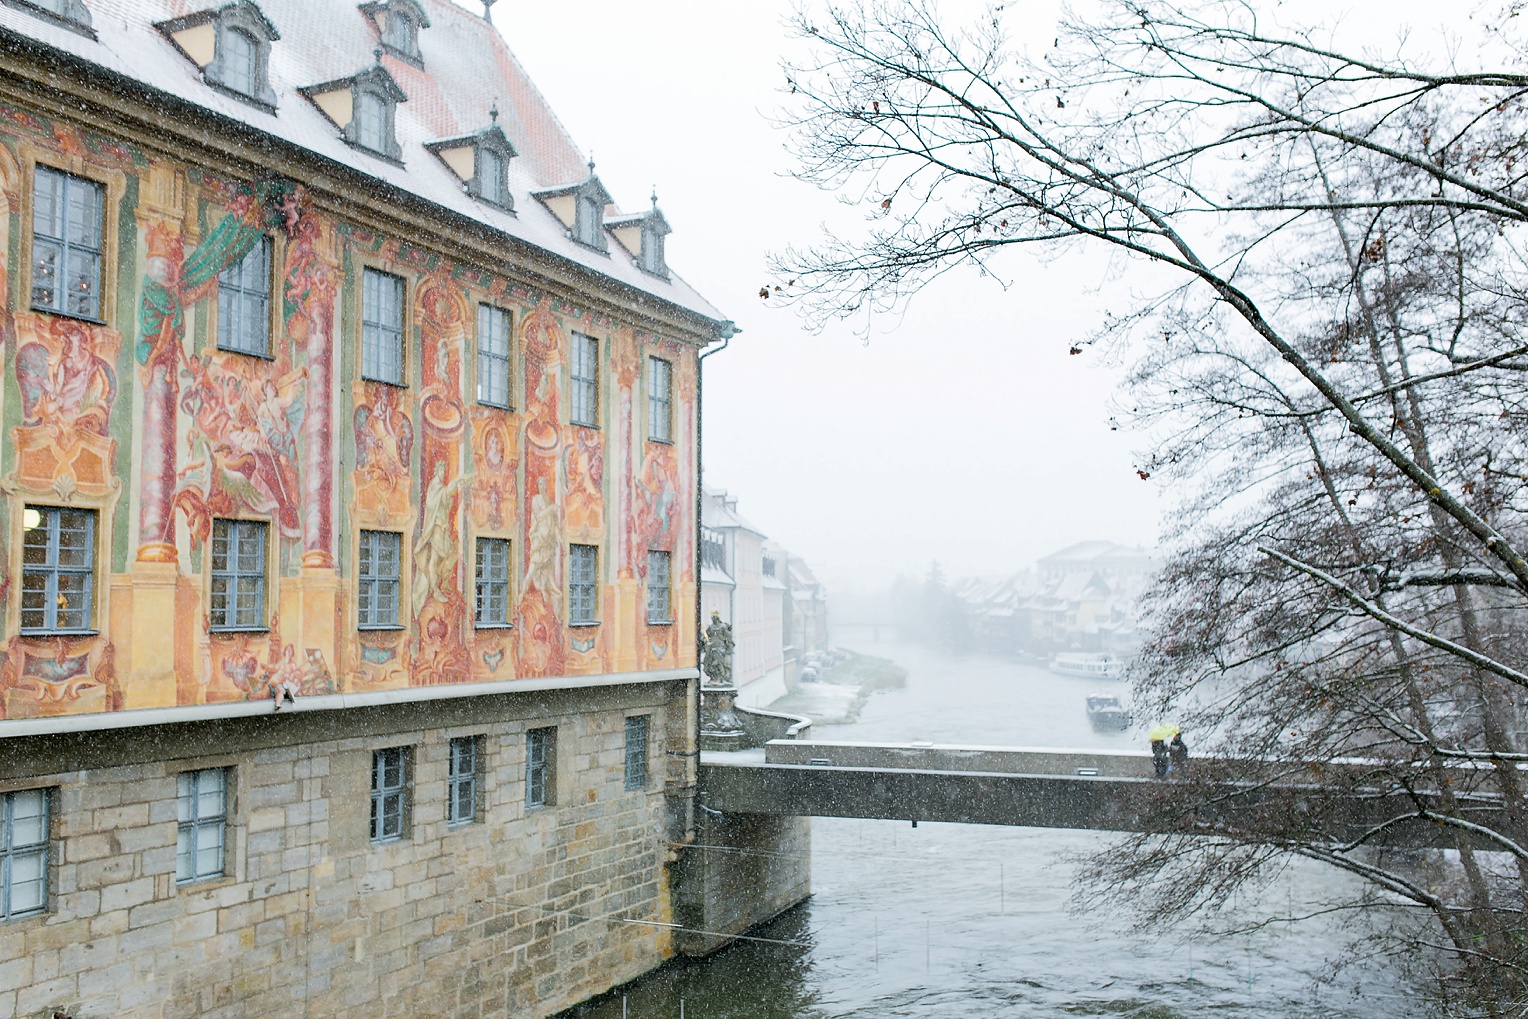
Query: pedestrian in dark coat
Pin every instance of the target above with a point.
(1159, 757)
(1177, 753)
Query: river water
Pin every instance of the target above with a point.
(949, 920)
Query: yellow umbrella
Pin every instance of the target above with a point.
(1163, 732)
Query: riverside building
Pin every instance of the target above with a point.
(333, 383)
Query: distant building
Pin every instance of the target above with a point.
(1082, 598)
(775, 606)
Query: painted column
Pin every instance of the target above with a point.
(161, 326)
(312, 285)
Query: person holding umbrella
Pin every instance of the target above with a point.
(1159, 735)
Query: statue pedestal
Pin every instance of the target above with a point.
(719, 725)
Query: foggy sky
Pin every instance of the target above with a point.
(962, 432)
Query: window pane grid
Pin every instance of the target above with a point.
(57, 571)
(377, 574)
(23, 853)
(382, 327)
(462, 781)
(244, 291)
(238, 574)
(582, 583)
(202, 831)
(636, 752)
(388, 779)
(538, 766)
(493, 356)
(371, 120)
(492, 571)
(584, 381)
(659, 608)
(660, 378)
(240, 64)
(66, 244)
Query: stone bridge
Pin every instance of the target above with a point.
(1105, 790)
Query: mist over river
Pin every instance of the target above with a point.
(949, 920)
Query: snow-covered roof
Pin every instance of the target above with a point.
(716, 513)
(1092, 552)
(466, 70)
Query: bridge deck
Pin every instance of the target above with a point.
(1025, 787)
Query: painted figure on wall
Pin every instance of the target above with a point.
(540, 634)
(242, 442)
(584, 465)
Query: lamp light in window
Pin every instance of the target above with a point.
(31, 519)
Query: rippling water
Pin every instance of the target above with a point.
(967, 920)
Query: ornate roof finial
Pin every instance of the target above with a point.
(378, 54)
(591, 163)
(488, 11)
(493, 112)
(655, 196)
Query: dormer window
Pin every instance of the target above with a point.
(643, 236)
(481, 161)
(398, 23)
(231, 45)
(363, 107)
(581, 208)
(399, 34)
(589, 228)
(71, 14)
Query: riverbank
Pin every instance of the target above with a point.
(840, 691)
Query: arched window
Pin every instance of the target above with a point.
(400, 32)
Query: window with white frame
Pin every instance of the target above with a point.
(238, 575)
(382, 327)
(378, 573)
(201, 846)
(23, 853)
(462, 780)
(493, 356)
(67, 232)
(57, 569)
(389, 793)
(244, 302)
(584, 381)
(659, 597)
(660, 400)
(636, 752)
(492, 582)
(583, 584)
(541, 767)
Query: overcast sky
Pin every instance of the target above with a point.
(963, 432)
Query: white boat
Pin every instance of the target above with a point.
(1099, 665)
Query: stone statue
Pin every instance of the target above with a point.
(716, 661)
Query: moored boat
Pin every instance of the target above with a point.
(1099, 665)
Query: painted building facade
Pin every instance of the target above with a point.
(332, 380)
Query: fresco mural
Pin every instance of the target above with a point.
(145, 422)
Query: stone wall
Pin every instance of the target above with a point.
(743, 870)
(522, 913)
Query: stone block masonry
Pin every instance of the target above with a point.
(519, 912)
